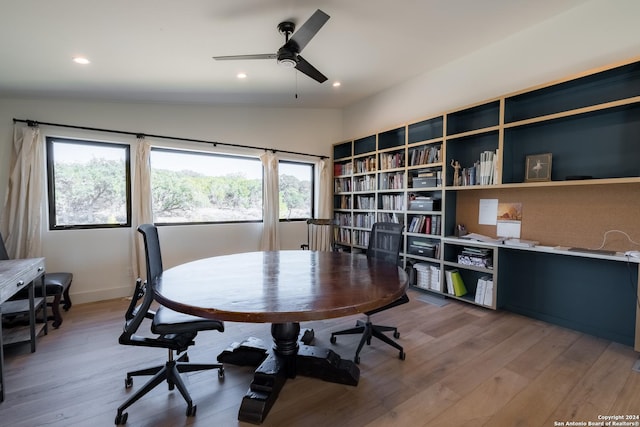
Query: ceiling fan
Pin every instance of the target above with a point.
(289, 54)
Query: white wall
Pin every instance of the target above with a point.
(100, 259)
(595, 34)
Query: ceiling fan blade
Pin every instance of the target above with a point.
(308, 69)
(260, 56)
(309, 29)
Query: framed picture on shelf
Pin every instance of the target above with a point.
(538, 168)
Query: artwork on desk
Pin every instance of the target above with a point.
(538, 168)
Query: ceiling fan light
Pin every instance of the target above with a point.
(287, 62)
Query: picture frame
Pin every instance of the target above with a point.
(538, 168)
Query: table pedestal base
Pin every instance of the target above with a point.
(285, 360)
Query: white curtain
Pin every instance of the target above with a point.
(21, 222)
(142, 212)
(271, 202)
(320, 235)
(325, 188)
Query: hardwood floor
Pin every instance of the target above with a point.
(465, 366)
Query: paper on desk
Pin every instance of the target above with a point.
(482, 238)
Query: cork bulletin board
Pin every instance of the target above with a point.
(578, 215)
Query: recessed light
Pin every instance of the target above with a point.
(81, 60)
(336, 84)
(242, 75)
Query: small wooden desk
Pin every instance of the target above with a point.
(282, 288)
(15, 275)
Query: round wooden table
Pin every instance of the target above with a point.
(282, 288)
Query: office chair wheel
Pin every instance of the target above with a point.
(221, 373)
(332, 339)
(121, 419)
(191, 410)
(128, 383)
(396, 334)
(402, 355)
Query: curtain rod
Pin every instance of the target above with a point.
(34, 123)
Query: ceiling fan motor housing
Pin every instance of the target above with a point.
(287, 58)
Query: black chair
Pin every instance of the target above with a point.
(384, 246)
(56, 285)
(175, 331)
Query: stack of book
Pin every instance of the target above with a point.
(483, 171)
(484, 291)
(424, 155)
(342, 169)
(365, 202)
(365, 183)
(366, 165)
(392, 202)
(364, 220)
(455, 284)
(477, 257)
(392, 160)
(388, 217)
(428, 276)
(392, 181)
(425, 224)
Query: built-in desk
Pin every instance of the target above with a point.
(593, 293)
(14, 276)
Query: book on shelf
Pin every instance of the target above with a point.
(435, 225)
(449, 281)
(455, 284)
(388, 217)
(483, 171)
(488, 292)
(480, 290)
(423, 224)
(424, 275)
(424, 155)
(459, 289)
(435, 282)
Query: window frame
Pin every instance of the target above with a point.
(313, 188)
(210, 154)
(51, 185)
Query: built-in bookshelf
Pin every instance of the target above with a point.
(420, 174)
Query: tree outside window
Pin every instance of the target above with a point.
(88, 184)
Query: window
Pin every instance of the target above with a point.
(296, 190)
(194, 187)
(88, 184)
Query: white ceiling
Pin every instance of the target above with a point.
(161, 50)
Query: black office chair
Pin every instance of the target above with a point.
(384, 246)
(176, 332)
(56, 286)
